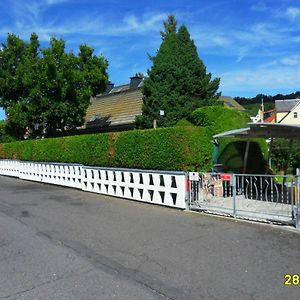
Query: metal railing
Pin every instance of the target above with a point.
(255, 196)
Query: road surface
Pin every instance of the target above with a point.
(61, 243)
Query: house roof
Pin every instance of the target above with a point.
(270, 111)
(118, 107)
(265, 130)
(121, 104)
(119, 88)
(286, 105)
(287, 115)
(270, 119)
(269, 116)
(231, 103)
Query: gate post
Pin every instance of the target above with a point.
(298, 200)
(187, 191)
(234, 194)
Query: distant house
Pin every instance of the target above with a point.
(231, 103)
(288, 111)
(270, 116)
(117, 107)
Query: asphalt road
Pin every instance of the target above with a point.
(60, 243)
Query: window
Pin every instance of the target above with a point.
(94, 117)
(295, 115)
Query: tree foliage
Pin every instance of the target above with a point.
(177, 82)
(285, 158)
(170, 26)
(5, 137)
(266, 98)
(47, 89)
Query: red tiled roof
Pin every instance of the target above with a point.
(270, 111)
(270, 119)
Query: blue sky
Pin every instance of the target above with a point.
(253, 46)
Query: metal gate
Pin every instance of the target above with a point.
(259, 197)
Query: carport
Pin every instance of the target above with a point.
(257, 196)
(262, 130)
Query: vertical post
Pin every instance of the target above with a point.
(215, 152)
(188, 191)
(154, 123)
(289, 156)
(234, 194)
(246, 156)
(298, 200)
(270, 154)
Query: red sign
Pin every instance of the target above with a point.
(187, 185)
(226, 177)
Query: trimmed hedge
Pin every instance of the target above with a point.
(175, 148)
(218, 119)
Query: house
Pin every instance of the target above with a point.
(270, 116)
(117, 107)
(288, 111)
(231, 103)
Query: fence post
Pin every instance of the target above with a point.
(187, 191)
(298, 200)
(234, 194)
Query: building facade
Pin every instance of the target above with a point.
(288, 111)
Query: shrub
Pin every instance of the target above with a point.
(231, 151)
(177, 148)
(285, 158)
(219, 118)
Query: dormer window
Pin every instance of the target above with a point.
(94, 117)
(295, 115)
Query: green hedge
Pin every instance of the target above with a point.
(218, 119)
(176, 148)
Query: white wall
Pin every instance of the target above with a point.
(156, 187)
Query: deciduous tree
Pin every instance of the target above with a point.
(47, 90)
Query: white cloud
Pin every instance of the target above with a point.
(292, 60)
(259, 6)
(257, 79)
(260, 39)
(220, 40)
(99, 26)
(29, 17)
(53, 2)
(133, 24)
(243, 52)
(293, 12)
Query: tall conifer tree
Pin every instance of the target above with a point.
(177, 82)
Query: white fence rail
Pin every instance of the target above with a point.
(53, 173)
(155, 187)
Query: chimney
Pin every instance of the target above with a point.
(135, 81)
(109, 87)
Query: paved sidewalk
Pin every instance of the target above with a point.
(60, 243)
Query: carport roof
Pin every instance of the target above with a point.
(265, 130)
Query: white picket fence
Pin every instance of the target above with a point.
(155, 187)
